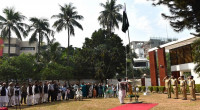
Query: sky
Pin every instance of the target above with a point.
(145, 20)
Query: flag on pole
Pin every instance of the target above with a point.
(125, 23)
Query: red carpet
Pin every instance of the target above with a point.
(144, 106)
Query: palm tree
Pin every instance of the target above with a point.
(40, 28)
(110, 16)
(66, 19)
(12, 23)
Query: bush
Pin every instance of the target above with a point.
(139, 89)
(155, 89)
(197, 88)
(143, 88)
(161, 89)
(150, 88)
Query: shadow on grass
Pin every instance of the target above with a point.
(47, 104)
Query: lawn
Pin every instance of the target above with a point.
(104, 104)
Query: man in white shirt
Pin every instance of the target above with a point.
(11, 94)
(122, 90)
(79, 94)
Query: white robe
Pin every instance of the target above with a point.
(122, 93)
(17, 97)
(36, 97)
(4, 99)
(29, 98)
(11, 98)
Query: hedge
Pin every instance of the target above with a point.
(143, 89)
(155, 89)
(161, 89)
(150, 88)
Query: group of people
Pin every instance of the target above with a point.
(173, 82)
(13, 94)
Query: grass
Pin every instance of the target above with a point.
(103, 104)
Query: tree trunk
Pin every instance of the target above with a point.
(38, 48)
(9, 38)
(68, 47)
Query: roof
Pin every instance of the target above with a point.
(175, 44)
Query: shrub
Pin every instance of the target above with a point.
(197, 88)
(155, 89)
(139, 89)
(161, 89)
(150, 88)
(143, 88)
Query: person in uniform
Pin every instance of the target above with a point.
(191, 84)
(175, 86)
(36, 94)
(4, 95)
(183, 87)
(29, 95)
(45, 97)
(11, 94)
(168, 85)
(24, 93)
(122, 90)
(17, 94)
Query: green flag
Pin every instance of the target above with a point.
(125, 23)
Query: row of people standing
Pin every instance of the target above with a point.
(38, 92)
(173, 82)
(96, 90)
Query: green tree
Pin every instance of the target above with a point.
(110, 16)
(40, 28)
(106, 54)
(67, 19)
(12, 23)
(17, 67)
(184, 14)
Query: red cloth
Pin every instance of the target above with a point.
(142, 106)
(3, 108)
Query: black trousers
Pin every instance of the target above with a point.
(23, 97)
(63, 96)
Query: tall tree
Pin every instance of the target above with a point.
(12, 22)
(40, 28)
(110, 16)
(184, 14)
(67, 19)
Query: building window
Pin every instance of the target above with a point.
(27, 48)
(140, 64)
(181, 55)
(11, 45)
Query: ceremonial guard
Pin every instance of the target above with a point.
(11, 95)
(191, 84)
(4, 95)
(122, 90)
(30, 95)
(183, 87)
(36, 94)
(24, 93)
(168, 85)
(175, 86)
(45, 97)
(17, 94)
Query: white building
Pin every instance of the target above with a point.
(181, 57)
